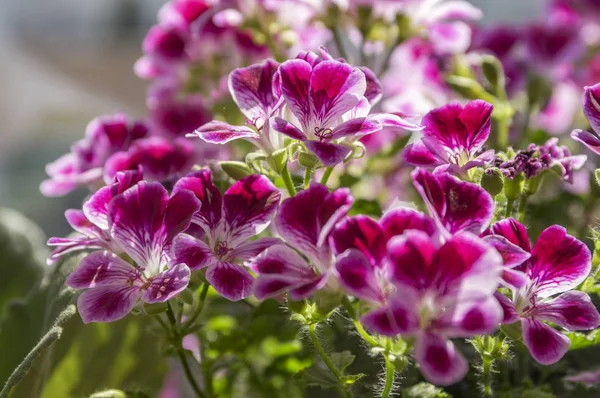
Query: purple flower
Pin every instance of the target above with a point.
(591, 110)
(84, 165)
(258, 98)
(453, 137)
(143, 221)
(327, 97)
(160, 159)
(558, 264)
(440, 293)
(91, 223)
(229, 221)
(305, 222)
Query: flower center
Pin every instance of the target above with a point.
(221, 249)
(323, 133)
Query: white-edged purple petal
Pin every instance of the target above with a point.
(361, 233)
(247, 251)
(409, 260)
(218, 132)
(211, 202)
(514, 231)
(167, 284)
(357, 276)
(287, 128)
(572, 310)
(101, 268)
(546, 345)
(294, 76)
(471, 317)
(329, 154)
(591, 140)
(441, 363)
(231, 281)
(418, 154)
(396, 221)
(509, 311)
(591, 106)
(192, 252)
(107, 303)
(512, 255)
(252, 89)
(357, 127)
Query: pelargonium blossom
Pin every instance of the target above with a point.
(327, 98)
(441, 293)
(91, 222)
(229, 221)
(453, 137)
(591, 110)
(558, 264)
(143, 221)
(305, 222)
(84, 165)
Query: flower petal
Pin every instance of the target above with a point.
(211, 202)
(450, 37)
(398, 317)
(559, 262)
(357, 276)
(374, 89)
(396, 221)
(546, 345)
(287, 128)
(295, 76)
(192, 252)
(80, 223)
(136, 221)
(471, 317)
(101, 268)
(248, 206)
(441, 363)
(591, 140)
(409, 259)
(231, 281)
(329, 154)
(571, 310)
(509, 310)
(418, 154)
(591, 106)
(514, 231)
(252, 89)
(249, 250)
(362, 233)
(334, 89)
(217, 132)
(181, 208)
(357, 127)
(107, 303)
(167, 284)
(512, 255)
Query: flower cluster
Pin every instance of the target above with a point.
(296, 216)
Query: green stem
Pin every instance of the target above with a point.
(181, 353)
(287, 179)
(487, 377)
(389, 377)
(190, 322)
(326, 175)
(364, 334)
(509, 206)
(307, 175)
(522, 208)
(503, 129)
(332, 368)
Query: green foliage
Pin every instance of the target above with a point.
(583, 340)
(424, 390)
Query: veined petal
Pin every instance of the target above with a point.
(329, 154)
(357, 127)
(249, 250)
(512, 255)
(591, 106)
(294, 76)
(394, 123)
(287, 128)
(181, 208)
(334, 89)
(217, 132)
(471, 317)
(591, 140)
(409, 259)
(441, 363)
(374, 89)
(192, 252)
(559, 262)
(450, 38)
(167, 284)
(80, 223)
(571, 310)
(546, 345)
(107, 303)
(211, 202)
(399, 316)
(136, 222)
(399, 220)
(357, 276)
(249, 205)
(306, 290)
(509, 310)
(514, 231)
(231, 281)
(252, 88)
(69, 245)
(101, 268)
(362, 233)
(418, 154)
(513, 279)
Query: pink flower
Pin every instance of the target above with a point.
(591, 110)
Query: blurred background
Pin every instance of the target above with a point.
(63, 62)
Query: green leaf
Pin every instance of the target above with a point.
(537, 393)
(424, 390)
(342, 360)
(319, 375)
(583, 340)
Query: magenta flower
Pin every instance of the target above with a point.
(305, 222)
(91, 223)
(440, 293)
(143, 221)
(84, 165)
(229, 221)
(453, 137)
(591, 110)
(258, 98)
(558, 264)
(327, 97)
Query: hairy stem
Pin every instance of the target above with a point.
(509, 206)
(389, 377)
(287, 179)
(332, 368)
(522, 208)
(487, 377)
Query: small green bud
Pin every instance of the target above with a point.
(514, 187)
(468, 88)
(493, 72)
(278, 160)
(297, 307)
(235, 170)
(539, 91)
(307, 160)
(513, 330)
(155, 308)
(492, 183)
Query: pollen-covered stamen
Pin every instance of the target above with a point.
(323, 133)
(136, 276)
(254, 123)
(221, 249)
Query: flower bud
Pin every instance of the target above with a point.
(155, 308)
(492, 182)
(278, 160)
(307, 160)
(514, 187)
(235, 170)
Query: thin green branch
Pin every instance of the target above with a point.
(326, 175)
(389, 377)
(332, 368)
(287, 179)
